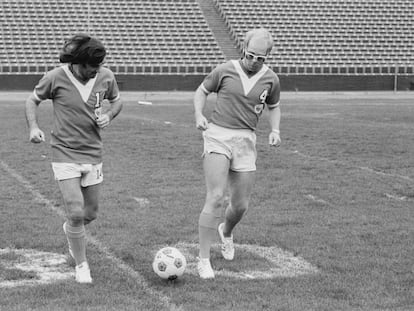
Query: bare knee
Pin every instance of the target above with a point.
(75, 212)
(215, 198)
(89, 217)
(91, 211)
(75, 218)
(239, 207)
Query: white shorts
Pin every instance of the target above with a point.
(238, 145)
(90, 174)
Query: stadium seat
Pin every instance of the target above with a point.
(310, 35)
(328, 29)
(162, 30)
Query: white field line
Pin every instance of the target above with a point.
(395, 197)
(142, 202)
(281, 262)
(363, 168)
(163, 122)
(48, 267)
(316, 199)
(96, 243)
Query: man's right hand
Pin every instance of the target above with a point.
(201, 122)
(37, 135)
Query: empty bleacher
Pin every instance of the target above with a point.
(146, 36)
(164, 37)
(329, 36)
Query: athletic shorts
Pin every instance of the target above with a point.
(238, 145)
(90, 174)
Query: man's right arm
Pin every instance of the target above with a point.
(36, 135)
(200, 98)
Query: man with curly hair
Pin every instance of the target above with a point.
(78, 89)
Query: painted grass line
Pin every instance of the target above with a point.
(363, 168)
(142, 202)
(48, 267)
(39, 198)
(395, 197)
(97, 244)
(149, 120)
(282, 263)
(316, 199)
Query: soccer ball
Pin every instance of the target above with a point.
(169, 263)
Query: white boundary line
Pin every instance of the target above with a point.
(48, 267)
(316, 199)
(142, 202)
(165, 300)
(362, 168)
(282, 263)
(119, 263)
(395, 197)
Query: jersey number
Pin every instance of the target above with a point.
(259, 108)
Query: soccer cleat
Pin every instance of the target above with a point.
(82, 273)
(70, 250)
(204, 268)
(227, 246)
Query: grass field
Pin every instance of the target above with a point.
(330, 225)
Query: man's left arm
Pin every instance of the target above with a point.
(274, 119)
(106, 118)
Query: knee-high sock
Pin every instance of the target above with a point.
(207, 232)
(77, 242)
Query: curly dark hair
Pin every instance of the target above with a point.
(82, 49)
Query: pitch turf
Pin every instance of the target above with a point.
(330, 225)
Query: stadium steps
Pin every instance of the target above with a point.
(219, 29)
(329, 36)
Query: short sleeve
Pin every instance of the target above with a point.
(113, 90)
(273, 100)
(43, 89)
(212, 81)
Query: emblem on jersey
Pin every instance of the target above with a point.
(259, 108)
(263, 96)
(98, 103)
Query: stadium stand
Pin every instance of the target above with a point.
(330, 37)
(173, 38)
(163, 36)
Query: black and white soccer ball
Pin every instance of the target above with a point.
(169, 263)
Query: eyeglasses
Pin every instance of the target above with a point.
(251, 56)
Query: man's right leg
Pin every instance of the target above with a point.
(216, 168)
(74, 227)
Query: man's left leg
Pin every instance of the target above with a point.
(240, 185)
(91, 202)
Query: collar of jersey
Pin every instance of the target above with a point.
(248, 83)
(84, 89)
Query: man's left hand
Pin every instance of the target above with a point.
(274, 139)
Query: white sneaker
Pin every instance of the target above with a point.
(70, 250)
(204, 268)
(227, 246)
(82, 273)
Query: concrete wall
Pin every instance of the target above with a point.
(190, 82)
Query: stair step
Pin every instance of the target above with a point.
(219, 29)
